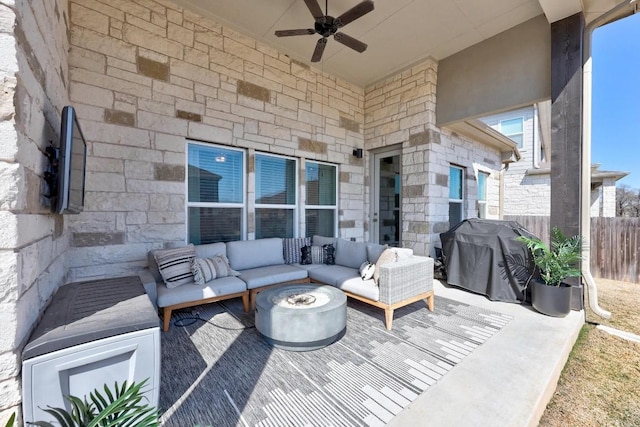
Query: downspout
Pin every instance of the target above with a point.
(585, 185)
(536, 138)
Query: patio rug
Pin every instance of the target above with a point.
(222, 373)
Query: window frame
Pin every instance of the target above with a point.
(510, 135)
(296, 187)
(335, 207)
(482, 198)
(243, 206)
(460, 201)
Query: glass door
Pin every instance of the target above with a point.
(387, 190)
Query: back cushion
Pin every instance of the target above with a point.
(246, 254)
(210, 250)
(350, 254)
(321, 241)
(374, 251)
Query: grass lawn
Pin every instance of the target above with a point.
(600, 384)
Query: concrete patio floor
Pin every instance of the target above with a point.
(509, 380)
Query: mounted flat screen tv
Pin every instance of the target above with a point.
(71, 164)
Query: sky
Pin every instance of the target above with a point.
(616, 98)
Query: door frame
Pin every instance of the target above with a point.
(376, 155)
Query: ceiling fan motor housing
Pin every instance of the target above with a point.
(326, 26)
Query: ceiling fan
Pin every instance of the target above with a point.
(326, 26)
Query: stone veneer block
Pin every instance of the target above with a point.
(154, 69)
(119, 118)
(419, 227)
(164, 172)
(306, 144)
(418, 139)
(350, 125)
(348, 224)
(98, 239)
(254, 91)
(194, 117)
(413, 191)
(442, 180)
(345, 177)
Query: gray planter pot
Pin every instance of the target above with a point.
(551, 300)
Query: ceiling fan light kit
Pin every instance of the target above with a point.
(326, 26)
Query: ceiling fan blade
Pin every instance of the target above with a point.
(300, 32)
(317, 53)
(354, 13)
(350, 42)
(314, 8)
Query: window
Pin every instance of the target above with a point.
(482, 194)
(215, 194)
(275, 196)
(514, 129)
(456, 200)
(321, 203)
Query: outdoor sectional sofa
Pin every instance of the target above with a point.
(403, 278)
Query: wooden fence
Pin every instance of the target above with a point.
(615, 244)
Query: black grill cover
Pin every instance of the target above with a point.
(483, 256)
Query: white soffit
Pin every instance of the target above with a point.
(399, 33)
(556, 10)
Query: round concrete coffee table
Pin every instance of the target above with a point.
(301, 317)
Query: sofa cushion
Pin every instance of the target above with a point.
(350, 254)
(388, 256)
(321, 241)
(307, 267)
(174, 265)
(246, 254)
(206, 269)
(293, 249)
(209, 250)
(332, 274)
(374, 251)
(363, 288)
(272, 274)
(187, 293)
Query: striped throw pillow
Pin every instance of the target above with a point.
(175, 265)
(293, 248)
(207, 269)
(317, 255)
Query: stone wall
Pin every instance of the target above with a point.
(33, 70)
(400, 112)
(148, 76)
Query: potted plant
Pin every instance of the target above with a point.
(550, 295)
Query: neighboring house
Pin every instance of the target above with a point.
(527, 183)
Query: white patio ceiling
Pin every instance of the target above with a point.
(399, 32)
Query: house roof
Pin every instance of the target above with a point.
(597, 176)
(399, 33)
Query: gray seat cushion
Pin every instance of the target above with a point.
(192, 292)
(364, 288)
(247, 254)
(308, 267)
(272, 274)
(333, 274)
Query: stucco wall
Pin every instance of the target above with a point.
(33, 70)
(145, 77)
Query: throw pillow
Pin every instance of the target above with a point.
(293, 249)
(305, 258)
(174, 265)
(366, 270)
(386, 257)
(328, 254)
(316, 255)
(207, 269)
